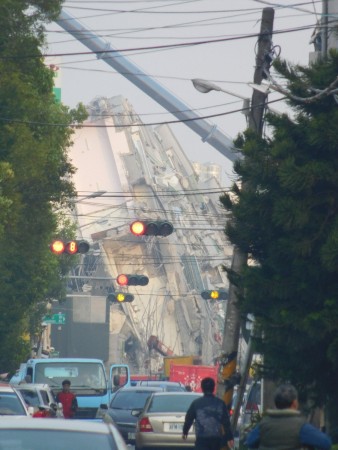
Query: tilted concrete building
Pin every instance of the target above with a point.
(128, 171)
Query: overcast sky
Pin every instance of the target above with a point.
(142, 25)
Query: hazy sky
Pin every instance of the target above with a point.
(141, 25)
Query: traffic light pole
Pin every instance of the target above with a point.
(233, 318)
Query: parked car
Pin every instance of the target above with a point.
(124, 406)
(160, 424)
(170, 386)
(251, 409)
(40, 396)
(12, 403)
(41, 434)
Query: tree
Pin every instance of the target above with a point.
(287, 221)
(35, 173)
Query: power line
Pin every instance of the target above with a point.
(157, 47)
(197, 23)
(168, 122)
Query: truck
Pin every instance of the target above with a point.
(88, 379)
(191, 375)
(179, 360)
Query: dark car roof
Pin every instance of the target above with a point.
(141, 389)
(172, 386)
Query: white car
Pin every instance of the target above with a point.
(56, 434)
(39, 395)
(12, 403)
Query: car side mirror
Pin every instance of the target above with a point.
(103, 406)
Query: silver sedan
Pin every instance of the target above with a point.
(161, 421)
(56, 434)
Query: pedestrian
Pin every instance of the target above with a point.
(284, 427)
(68, 400)
(212, 421)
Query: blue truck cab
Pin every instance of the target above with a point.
(88, 379)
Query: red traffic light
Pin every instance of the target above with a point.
(57, 247)
(151, 228)
(132, 280)
(138, 228)
(122, 280)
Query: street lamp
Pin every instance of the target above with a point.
(206, 86)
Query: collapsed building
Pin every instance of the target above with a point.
(128, 171)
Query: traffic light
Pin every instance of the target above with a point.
(120, 297)
(71, 247)
(132, 280)
(214, 295)
(151, 228)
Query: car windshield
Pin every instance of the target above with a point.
(171, 403)
(10, 405)
(54, 440)
(81, 375)
(130, 399)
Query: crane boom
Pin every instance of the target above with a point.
(103, 49)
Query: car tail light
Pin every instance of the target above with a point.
(144, 425)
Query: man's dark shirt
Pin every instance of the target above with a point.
(211, 418)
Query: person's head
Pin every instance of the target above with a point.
(286, 396)
(207, 385)
(66, 385)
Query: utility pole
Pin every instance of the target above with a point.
(233, 318)
(325, 34)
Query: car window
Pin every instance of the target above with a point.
(11, 405)
(37, 439)
(130, 400)
(171, 403)
(174, 388)
(45, 398)
(31, 397)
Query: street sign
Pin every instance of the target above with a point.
(58, 319)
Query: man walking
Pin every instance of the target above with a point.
(284, 427)
(212, 422)
(68, 400)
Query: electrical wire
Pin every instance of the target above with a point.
(168, 122)
(156, 47)
(205, 22)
